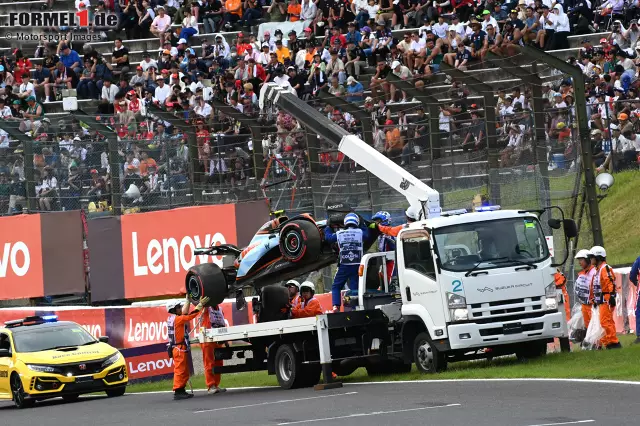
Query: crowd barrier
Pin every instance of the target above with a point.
(133, 256)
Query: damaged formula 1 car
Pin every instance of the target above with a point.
(282, 249)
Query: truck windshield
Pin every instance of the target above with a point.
(52, 337)
(509, 242)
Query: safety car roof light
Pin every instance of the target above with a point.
(454, 212)
(31, 320)
(487, 208)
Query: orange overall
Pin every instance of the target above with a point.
(307, 309)
(180, 349)
(584, 292)
(561, 283)
(208, 350)
(295, 301)
(606, 280)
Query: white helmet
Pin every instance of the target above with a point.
(172, 304)
(598, 251)
(414, 213)
(294, 283)
(308, 284)
(583, 254)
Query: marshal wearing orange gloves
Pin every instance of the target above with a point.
(561, 284)
(178, 325)
(211, 317)
(604, 288)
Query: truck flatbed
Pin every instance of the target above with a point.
(250, 331)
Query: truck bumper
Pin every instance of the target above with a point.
(470, 335)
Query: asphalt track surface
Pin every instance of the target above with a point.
(438, 403)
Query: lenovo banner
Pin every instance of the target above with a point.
(41, 255)
(147, 254)
(150, 363)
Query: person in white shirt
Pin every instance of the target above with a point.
(162, 91)
(160, 25)
(548, 25)
(487, 19)
(440, 29)
(308, 12)
(202, 109)
(562, 28)
(416, 52)
(108, 97)
(558, 101)
(402, 72)
(147, 62)
(26, 88)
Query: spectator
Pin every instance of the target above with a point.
(233, 13)
(252, 11)
(355, 91)
(69, 58)
(160, 25)
(120, 57)
(189, 26)
(277, 11)
(212, 16)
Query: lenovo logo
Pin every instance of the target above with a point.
(14, 258)
(169, 255)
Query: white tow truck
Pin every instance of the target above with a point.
(467, 285)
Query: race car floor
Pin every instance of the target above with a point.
(438, 403)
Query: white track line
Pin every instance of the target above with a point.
(607, 382)
(566, 423)
(401, 382)
(274, 402)
(375, 413)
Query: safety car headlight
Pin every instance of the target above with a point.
(111, 360)
(42, 368)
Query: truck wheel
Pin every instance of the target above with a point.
(206, 280)
(427, 357)
(289, 369)
(272, 300)
(300, 240)
(531, 350)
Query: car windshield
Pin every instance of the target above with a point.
(51, 337)
(492, 244)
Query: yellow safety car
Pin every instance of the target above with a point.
(42, 358)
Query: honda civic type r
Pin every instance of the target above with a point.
(42, 358)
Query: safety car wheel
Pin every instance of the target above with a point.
(112, 393)
(289, 369)
(19, 395)
(206, 280)
(427, 357)
(272, 300)
(300, 240)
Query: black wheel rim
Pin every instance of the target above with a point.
(193, 288)
(16, 386)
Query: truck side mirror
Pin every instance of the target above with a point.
(570, 228)
(554, 223)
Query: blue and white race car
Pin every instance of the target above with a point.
(282, 249)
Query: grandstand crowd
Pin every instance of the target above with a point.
(199, 53)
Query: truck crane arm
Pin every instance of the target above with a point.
(417, 193)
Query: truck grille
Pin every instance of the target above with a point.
(512, 309)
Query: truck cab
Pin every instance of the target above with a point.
(468, 286)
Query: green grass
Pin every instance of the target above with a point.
(613, 364)
(618, 214)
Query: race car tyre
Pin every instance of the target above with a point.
(112, 393)
(300, 240)
(19, 395)
(272, 300)
(206, 280)
(289, 369)
(427, 357)
(71, 397)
